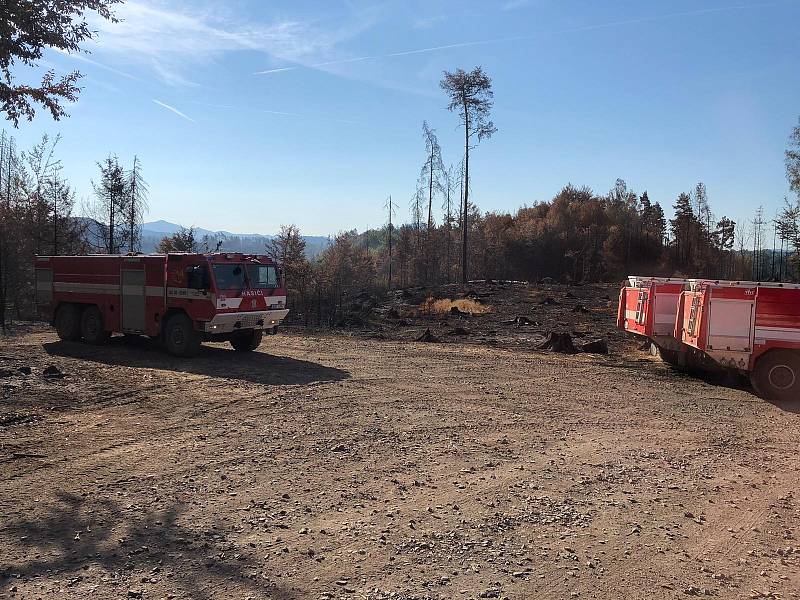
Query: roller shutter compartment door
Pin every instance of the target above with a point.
(133, 301)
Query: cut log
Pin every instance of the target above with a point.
(459, 331)
(519, 321)
(595, 347)
(427, 336)
(558, 342)
(52, 372)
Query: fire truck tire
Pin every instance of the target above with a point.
(776, 376)
(92, 326)
(246, 341)
(68, 323)
(673, 358)
(180, 337)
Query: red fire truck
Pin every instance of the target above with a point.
(179, 299)
(647, 309)
(750, 327)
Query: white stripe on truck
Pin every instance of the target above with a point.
(85, 288)
(775, 334)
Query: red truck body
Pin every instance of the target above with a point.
(213, 297)
(737, 322)
(647, 308)
(744, 326)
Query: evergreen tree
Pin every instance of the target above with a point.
(684, 229)
(471, 96)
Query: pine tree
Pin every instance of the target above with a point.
(471, 95)
(683, 228)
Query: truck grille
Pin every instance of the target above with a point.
(250, 321)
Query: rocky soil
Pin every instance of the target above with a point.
(341, 466)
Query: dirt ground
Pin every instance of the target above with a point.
(338, 466)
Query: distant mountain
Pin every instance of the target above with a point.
(154, 231)
(161, 226)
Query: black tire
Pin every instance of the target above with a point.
(68, 322)
(776, 376)
(672, 357)
(246, 341)
(180, 337)
(92, 328)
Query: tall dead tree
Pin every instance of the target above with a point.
(758, 232)
(4, 218)
(111, 206)
(41, 168)
(471, 96)
(447, 207)
(793, 160)
(136, 205)
(61, 198)
(431, 172)
(390, 208)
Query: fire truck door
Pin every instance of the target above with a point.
(133, 300)
(730, 325)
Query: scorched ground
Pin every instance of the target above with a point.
(341, 467)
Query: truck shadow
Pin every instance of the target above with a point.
(213, 361)
(734, 381)
(718, 378)
(85, 541)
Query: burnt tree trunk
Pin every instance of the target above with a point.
(465, 209)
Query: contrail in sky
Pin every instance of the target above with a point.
(82, 58)
(638, 20)
(279, 113)
(175, 110)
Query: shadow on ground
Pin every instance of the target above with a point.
(213, 361)
(144, 550)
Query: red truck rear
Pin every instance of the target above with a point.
(750, 327)
(179, 299)
(647, 309)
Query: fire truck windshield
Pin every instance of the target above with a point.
(229, 276)
(262, 277)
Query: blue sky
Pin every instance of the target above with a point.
(662, 94)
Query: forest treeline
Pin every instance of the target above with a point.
(38, 216)
(578, 236)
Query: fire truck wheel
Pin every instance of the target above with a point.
(68, 322)
(672, 357)
(246, 341)
(180, 337)
(777, 376)
(92, 326)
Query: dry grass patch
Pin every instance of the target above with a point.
(445, 305)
